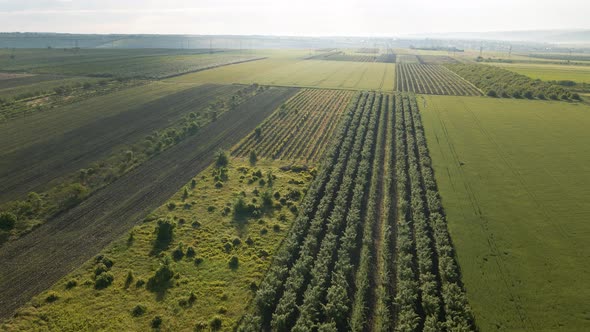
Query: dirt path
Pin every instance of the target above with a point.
(38, 260)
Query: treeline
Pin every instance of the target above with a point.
(370, 248)
(498, 82)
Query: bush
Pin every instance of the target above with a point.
(221, 159)
(216, 323)
(178, 253)
(492, 93)
(103, 280)
(161, 278)
(7, 221)
(190, 252)
(129, 279)
(138, 310)
(156, 322)
(164, 232)
(71, 284)
(233, 262)
(51, 297)
(253, 158)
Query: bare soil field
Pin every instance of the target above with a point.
(32, 167)
(36, 261)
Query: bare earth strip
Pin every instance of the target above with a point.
(39, 259)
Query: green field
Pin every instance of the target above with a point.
(514, 177)
(550, 72)
(301, 73)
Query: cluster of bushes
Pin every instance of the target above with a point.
(498, 82)
(103, 278)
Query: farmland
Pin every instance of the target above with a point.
(59, 172)
(514, 178)
(85, 229)
(550, 72)
(301, 129)
(155, 63)
(432, 79)
(332, 188)
(335, 268)
(301, 73)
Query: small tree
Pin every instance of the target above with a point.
(253, 158)
(258, 132)
(164, 232)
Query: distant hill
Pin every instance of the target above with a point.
(581, 36)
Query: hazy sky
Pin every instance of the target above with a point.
(296, 17)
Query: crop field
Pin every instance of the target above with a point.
(301, 73)
(435, 59)
(301, 129)
(117, 63)
(432, 79)
(362, 242)
(550, 72)
(406, 58)
(61, 245)
(514, 180)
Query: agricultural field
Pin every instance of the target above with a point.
(362, 242)
(156, 63)
(301, 129)
(514, 180)
(300, 73)
(406, 58)
(432, 79)
(87, 228)
(435, 59)
(550, 72)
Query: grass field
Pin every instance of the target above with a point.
(301, 73)
(514, 177)
(550, 72)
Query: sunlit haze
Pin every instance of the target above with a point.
(296, 18)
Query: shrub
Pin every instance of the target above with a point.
(71, 284)
(103, 280)
(7, 221)
(164, 232)
(156, 322)
(253, 158)
(192, 298)
(216, 323)
(233, 262)
(190, 252)
(51, 297)
(129, 279)
(161, 279)
(492, 93)
(138, 310)
(178, 253)
(221, 159)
